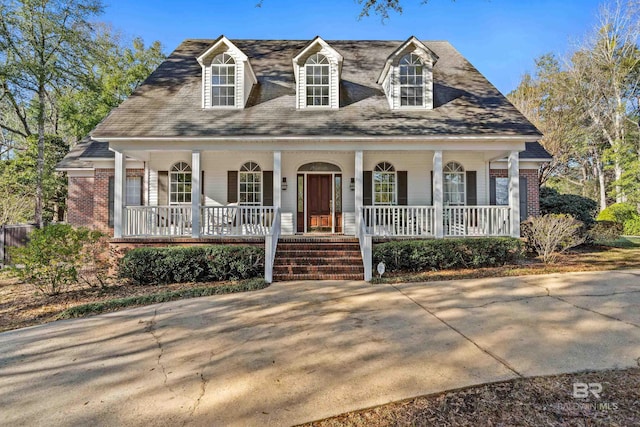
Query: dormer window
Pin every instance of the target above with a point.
(227, 76)
(223, 81)
(410, 71)
(317, 71)
(407, 76)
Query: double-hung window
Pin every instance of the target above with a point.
(223, 81)
(250, 184)
(384, 184)
(317, 72)
(411, 79)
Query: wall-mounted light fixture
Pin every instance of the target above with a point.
(284, 182)
(352, 185)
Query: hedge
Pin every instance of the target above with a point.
(625, 214)
(424, 255)
(581, 208)
(147, 266)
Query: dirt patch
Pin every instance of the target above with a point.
(22, 305)
(527, 401)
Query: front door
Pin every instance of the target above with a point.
(319, 194)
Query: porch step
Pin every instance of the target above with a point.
(318, 258)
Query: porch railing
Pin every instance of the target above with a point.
(157, 221)
(236, 220)
(476, 221)
(420, 221)
(271, 246)
(148, 221)
(416, 221)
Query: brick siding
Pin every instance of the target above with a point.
(88, 200)
(533, 190)
(80, 201)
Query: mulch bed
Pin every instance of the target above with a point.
(541, 401)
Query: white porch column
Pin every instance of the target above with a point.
(277, 179)
(514, 193)
(438, 198)
(358, 190)
(119, 194)
(196, 185)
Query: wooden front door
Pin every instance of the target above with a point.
(319, 195)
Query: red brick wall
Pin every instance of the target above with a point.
(80, 201)
(88, 200)
(533, 190)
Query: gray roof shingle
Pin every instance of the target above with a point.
(168, 103)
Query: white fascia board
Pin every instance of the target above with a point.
(413, 40)
(321, 42)
(222, 40)
(322, 144)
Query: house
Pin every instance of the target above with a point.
(269, 138)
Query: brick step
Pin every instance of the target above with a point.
(288, 277)
(346, 260)
(324, 269)
(319, 246)
(316, 253)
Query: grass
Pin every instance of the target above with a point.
(119, 303)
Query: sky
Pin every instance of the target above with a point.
(501, 38)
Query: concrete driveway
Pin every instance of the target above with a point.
(300, 351)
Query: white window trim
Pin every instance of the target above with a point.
(171, 180)
(328, 65)
(463, 172)
(257, 171)
(235, 84)
(388, 171)
(399, 105)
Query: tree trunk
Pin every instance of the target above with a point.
(40, 159)
(602, 185)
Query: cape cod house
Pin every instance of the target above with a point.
(271, 138)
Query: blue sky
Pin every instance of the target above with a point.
(500, 37)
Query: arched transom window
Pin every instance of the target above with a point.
(250, 184)
(454, 185)
(180, 188)
(411, 81)
(384, 184)
(317, 72)
(223, 81)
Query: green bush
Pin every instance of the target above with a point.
(632, 227)
(605, 231)
(625, 214)
(619, 212)
(191, 264)
(53, 256)
(421, 255)
(581, 208)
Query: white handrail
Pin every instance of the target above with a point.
(477, 221)
(270, 247)
(366, 249)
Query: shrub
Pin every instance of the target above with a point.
(191, 264)
(421, 255)
(625, 214)
(551, 234)
(632, 227)
(53, 256)
(605, 231)
(619, 212)
(581, 208)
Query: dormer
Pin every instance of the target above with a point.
(317, 69)
(407, 76)
(227, 76)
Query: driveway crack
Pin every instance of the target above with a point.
(478, 346)
(589, 296)
(151, 329)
